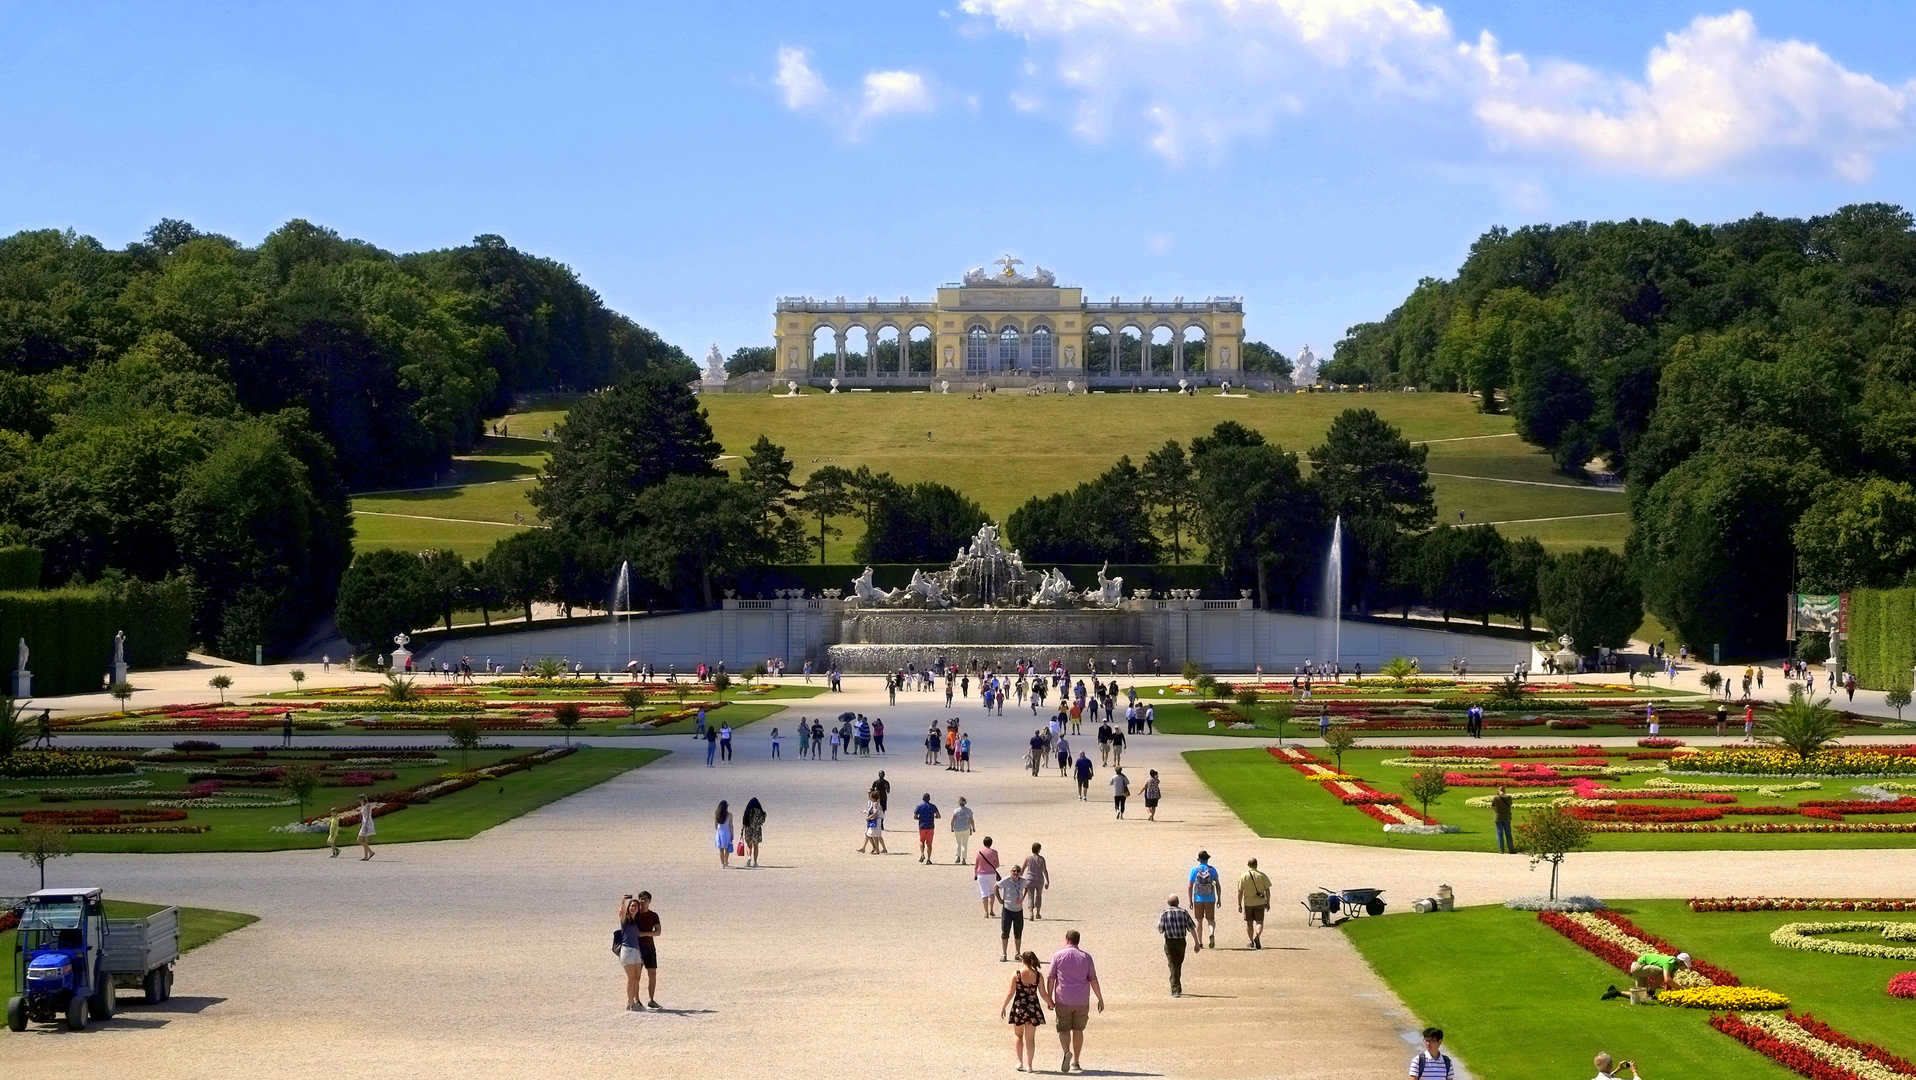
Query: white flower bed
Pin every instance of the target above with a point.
(300, 827)
(1412, 828)
(1842, 1057)
(249, 803)
(1687, 979)
(1765, 790)
(1801, 935)
(1561, 903)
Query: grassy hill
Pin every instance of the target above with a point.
(1003, 449)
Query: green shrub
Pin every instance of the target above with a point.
(19, 567)
(70, 631)
(61, 763)
(1881, 646)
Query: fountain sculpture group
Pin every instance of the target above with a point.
(985, 575)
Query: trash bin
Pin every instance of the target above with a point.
(1446, 901)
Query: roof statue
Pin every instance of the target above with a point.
(1009, 276)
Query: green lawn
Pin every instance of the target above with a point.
(471, 539)
(197, 925)
(454, 816)
(1276, 800)
(1516, 1000)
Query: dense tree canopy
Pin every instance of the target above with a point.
(192, 404)
(1777, 354)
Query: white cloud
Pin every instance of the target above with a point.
(1714, 95)
(1197, 75)
(884, 93)
(802, 87)
(888, 92)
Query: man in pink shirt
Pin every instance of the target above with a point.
(1073, 980)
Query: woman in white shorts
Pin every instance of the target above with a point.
(366, 828)
(985, 866)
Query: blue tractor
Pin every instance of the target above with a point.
(59, 961)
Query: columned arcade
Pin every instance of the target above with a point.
(1007, 325)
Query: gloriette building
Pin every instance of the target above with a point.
(1006, 326)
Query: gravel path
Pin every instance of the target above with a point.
(494, 953)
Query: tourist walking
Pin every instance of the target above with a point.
(883, 787)
(332, 835)
(834, 744)
(722, 833)
(931, 745)
(1500, 811)
(961, 829)
(804, 737)
(927, 814)
(366, 827)
(1175, 924)
(964, 753)
(1073, 982)
(1117, 747)
(1021, 1006)
(985, 869)
(1084, 776)
(638, 926)
(1037, 880)
(1104, 743)
(818, 740)
(1203, 893)
(711, 743)
(1120, 789)
(874, 825)
(1431, 1063)
(774, 744)
(754, 830)
(1152, 792)
(1253, 898)
(1011, 914)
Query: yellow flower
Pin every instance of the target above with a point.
(1723, 998)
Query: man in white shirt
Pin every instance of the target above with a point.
(1604, 1072)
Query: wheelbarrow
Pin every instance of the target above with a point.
(1362, 901)
(1320, 906)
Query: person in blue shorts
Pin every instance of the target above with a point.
(1203, 894)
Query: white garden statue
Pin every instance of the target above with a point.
(869, 593)
(1110, 589)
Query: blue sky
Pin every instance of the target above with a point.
(694, 161)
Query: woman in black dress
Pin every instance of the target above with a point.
(1022, 1006)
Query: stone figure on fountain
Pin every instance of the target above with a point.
(868, 593)
(1053, 589)
(928, 588)
(1109, 591)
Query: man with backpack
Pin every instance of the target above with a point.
(1431, 1063)
(1202, 890)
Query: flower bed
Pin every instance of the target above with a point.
(1804, 936)
(1735, 998)
(389, 802)
(60, 764)
(1799, 903)
(1903, 985)
(1759, 827)
(1618, 942)
(125, 830)
(1808, 1047)
(1659, 743)
(1762, 761)
(1381, 806)
(108, 815)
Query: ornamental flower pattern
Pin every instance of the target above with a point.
(1804, 935)
(1733, 998)
(1811, 1048)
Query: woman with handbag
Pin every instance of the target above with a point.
(754, 831)
(722, 822)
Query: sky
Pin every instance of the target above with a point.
(694, 161)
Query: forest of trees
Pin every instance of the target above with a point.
(1754, 384)
(191, 406)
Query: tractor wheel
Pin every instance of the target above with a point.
(154, 985)
(105, 1000)
(17, 1014)
(76, 1013)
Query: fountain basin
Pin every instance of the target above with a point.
(873, 659)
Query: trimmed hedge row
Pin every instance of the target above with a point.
(19, 567)
(70, 631)
(1882, 636)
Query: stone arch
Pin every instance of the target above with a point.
(825, 337)
(1042, 347)
(1010, 342)
(1098, 340)
(923, 349)
(1161, 359)
(1193, 352)
(1129, 341)
(977, 348)
(886, 354)
(858, 348)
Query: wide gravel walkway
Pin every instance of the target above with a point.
(492, 956)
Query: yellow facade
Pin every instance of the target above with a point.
(1008, 324)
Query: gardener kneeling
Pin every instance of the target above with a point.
(1655, 971)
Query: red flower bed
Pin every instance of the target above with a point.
(1904, 805)
(1792, 1057)
(1370, 798)
(1619, 957)
(8, 920)
(1507, 753)
(1801, 903)
(1869, 1050)
(104, 816)
(1487, 780)
(1902, 986)
(1659, 743)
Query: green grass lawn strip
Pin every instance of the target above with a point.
(455, 816)
(1518, 1001)
(1276, 800)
